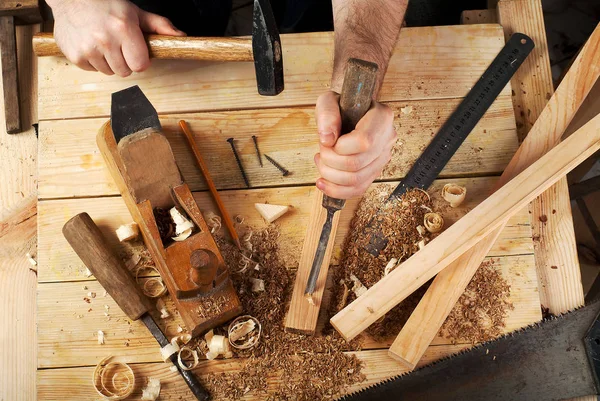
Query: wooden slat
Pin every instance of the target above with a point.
(24, 11)
(67, 324)
(59, 263)
(557, 263)
(430, 62)
(71, 165)
(18, 171)
(74, 384)
(9, 71)
(471, 17)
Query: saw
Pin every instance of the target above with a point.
(556, 359)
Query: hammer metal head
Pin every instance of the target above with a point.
(266, 46)
(131, 112)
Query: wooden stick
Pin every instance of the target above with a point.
(10, 81)
(441, 296)
(211, 185)
(467, 232)
(171, 47)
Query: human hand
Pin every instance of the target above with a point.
(106, 35)
(350, 163)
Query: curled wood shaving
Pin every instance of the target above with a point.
(182, 339)
(154, 287)
(433, 222)
(183, 235)
(421, 230)
(213, 221)
(152, 390)
(344, 298)
(128, 232)
(454, 194)
(238, 219)
(182, 223)
(162, 308)
(112, 387)
(187, 353)
(100, 337)
(244, 332)
(258, 285)
(217, 345)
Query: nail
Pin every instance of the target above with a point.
(257, 151)
(279, 167)
(239, 162)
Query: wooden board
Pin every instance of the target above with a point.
(18, 176)
(71, 164)
(556, 250)
(430, 62)
(59, 263)
(471, 17)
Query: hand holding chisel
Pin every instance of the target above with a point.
(90, 245)
(355, 100)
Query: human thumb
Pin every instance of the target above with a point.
(153, 23)
(329, 120)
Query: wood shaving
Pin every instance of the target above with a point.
(128, 232)
(153, 287)
(406, 110)
(258, 285)
(114, 380)
(434, 222)
(162, 308)
(185, 353)
(32, 261)
(213, 221)
(358, 288)
(184, 235)
(390, 266)
(152, 390)
(182, 223)
(169, 350)
(244, 332)
(100, 337)
(454, 194)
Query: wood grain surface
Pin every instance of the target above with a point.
(18, 222)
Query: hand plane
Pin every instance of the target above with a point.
(140, 160)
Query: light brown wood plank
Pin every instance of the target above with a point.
(59, 263)
(472, 17)
(74, 384)
(18, 176)
(9, 72)
(557, 263)
(429, 63)
(71, 165)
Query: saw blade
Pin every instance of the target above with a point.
(543, 362)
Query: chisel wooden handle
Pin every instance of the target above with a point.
(171, 47)
(90, 245)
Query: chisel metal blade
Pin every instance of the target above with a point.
(554, 360)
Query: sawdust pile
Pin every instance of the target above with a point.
(479, 315)
(295, 367)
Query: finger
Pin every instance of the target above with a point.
(135, 50)
(350, 163)
(85, 65)
(329, 121)
(347, 192)
(117, 63)
(153, 23)
(342, 177)
(376, 123)
(100, 64)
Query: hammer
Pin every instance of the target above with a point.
(264, 49)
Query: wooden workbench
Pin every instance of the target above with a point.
(431, 70)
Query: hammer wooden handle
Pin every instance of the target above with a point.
(90, 245)
(171, 47)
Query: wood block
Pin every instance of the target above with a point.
(303, 312)
(10, 81)
(24, 11)
(271, 212)
(467, 232)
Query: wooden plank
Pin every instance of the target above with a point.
(71, 165)
(18, 171)
(557, 264)
(74, 384)
(59, 263)
(471, 17)
(10, 80)
(430, 63)
(467, 232)
(67, 325)
(24, 11)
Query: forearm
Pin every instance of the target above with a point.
(365, 29)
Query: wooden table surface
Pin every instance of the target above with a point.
(431, 70)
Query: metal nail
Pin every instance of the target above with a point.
(257, 151)
(279, 167)
(239, 161)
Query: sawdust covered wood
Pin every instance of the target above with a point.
(298, 367)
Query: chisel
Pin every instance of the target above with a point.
(89, 244)
(355, 100)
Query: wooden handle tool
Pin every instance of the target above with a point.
(355, 100)
(89, 244)
(211, 185)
